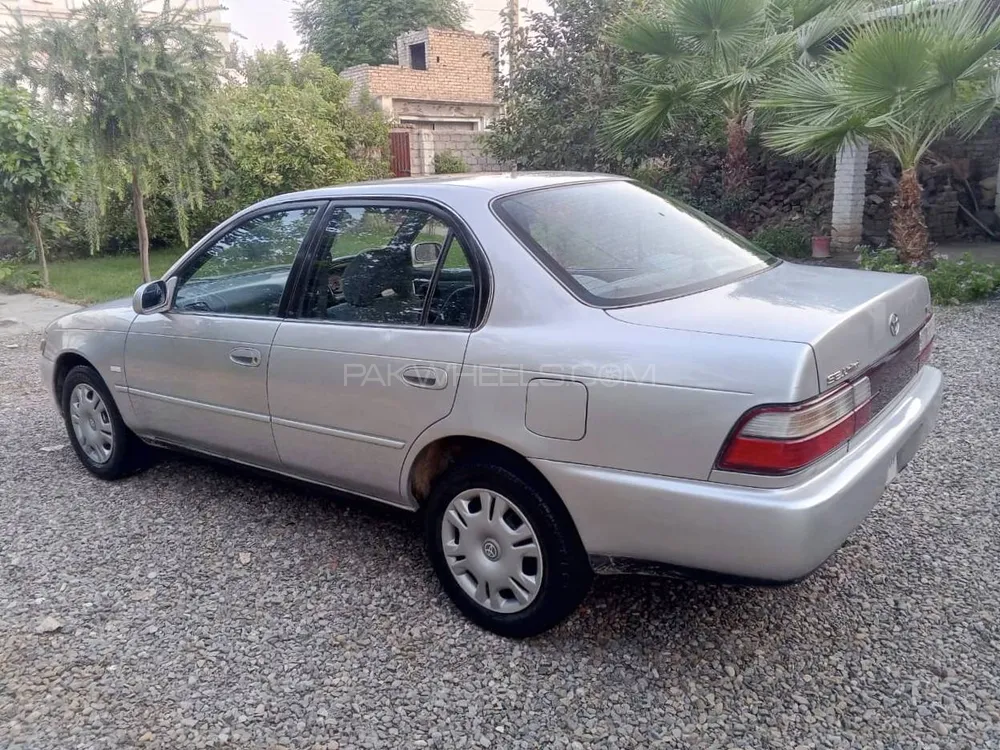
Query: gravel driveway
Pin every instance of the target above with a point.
(195, 606)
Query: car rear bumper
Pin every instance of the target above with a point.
(772, 535)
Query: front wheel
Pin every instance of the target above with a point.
(102, 442)
(505, 549)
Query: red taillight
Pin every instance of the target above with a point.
(782, 439)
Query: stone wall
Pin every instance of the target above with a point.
(959, 178)
(955, 175)
(782, 191)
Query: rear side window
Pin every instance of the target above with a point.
(616, 243)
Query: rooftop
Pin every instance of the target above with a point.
(491, 184)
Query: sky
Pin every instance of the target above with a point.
(264, 23)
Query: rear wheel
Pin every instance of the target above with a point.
(505, 549)
(105, 446)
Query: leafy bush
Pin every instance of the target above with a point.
(16, 278)
(448, 162)
(290, 127)
(562, 77)
(785, 242)
(12, 243)
(952, 281)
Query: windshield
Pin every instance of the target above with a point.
(616, 243)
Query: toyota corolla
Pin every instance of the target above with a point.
(563, 373)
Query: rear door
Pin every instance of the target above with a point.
(373, 357)
(197, 375)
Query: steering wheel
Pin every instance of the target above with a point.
(211, 303)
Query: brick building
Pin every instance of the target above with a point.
(444, 80)
(440, 96)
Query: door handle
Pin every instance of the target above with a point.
(245, 357)
(431, 378)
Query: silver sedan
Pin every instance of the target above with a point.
(562, 373)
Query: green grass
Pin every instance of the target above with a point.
(102, 278)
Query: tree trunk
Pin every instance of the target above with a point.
(36, 236)
(737, 167)
(909, 232)
(139, 207)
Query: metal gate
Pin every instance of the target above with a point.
(399, 153)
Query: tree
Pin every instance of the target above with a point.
(563, 76)
(138, 82)
(291, 127)
(35, 166)
(902, 79)
(713, 58)
(357, 32)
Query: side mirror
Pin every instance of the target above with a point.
(425, 254)
(154, 297)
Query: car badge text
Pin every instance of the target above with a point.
(836, 377)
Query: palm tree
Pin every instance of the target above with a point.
(901, 79)
(715, 57)
(138, 83)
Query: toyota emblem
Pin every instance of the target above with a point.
(894, 324)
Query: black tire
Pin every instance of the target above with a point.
(128, 452)
(566, 571)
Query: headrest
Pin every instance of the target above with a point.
(373, 272)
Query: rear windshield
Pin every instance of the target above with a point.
(616, 243)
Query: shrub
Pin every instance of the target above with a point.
(16, 278)
(12, 243)
(448, 162)
(785, 242)
(951, 281)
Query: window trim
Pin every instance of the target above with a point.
(478, 262)
(449, 240)
(235, 222)
(572, 286)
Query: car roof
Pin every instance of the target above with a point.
(486, 185)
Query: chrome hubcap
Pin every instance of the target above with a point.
(492, 551)
(91, 423)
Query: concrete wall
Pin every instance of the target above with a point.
(424, 144)
(467, 146)
(443, 115)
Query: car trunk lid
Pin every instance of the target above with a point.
(853, 320)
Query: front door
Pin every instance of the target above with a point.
(197, 375)
(376, 352)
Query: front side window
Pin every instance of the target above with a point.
(245, 272)
(390, 266)
(615, 243)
